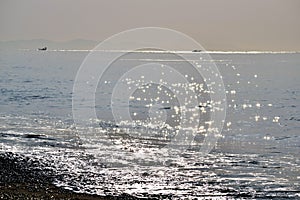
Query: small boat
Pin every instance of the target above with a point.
(196, 50)
(42, 49)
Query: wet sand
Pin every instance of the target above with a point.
(24, 178)
(39, 191)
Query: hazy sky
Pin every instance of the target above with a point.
(216, 24)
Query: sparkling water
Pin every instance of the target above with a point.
(257, 153)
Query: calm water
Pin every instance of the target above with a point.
(257, 154)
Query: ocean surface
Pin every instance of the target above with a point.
(256, 156)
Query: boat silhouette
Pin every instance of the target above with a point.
(42, 49)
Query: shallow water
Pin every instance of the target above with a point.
(256, 154)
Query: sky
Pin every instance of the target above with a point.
(216, 24)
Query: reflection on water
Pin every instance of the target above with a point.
(256, 156)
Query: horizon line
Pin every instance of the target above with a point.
(172, 51)
(229, 49)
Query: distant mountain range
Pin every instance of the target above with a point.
(79, 44)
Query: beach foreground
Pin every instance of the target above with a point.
(22, 178)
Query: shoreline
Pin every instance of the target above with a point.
(25, 178)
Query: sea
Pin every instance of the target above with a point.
(255, 153)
